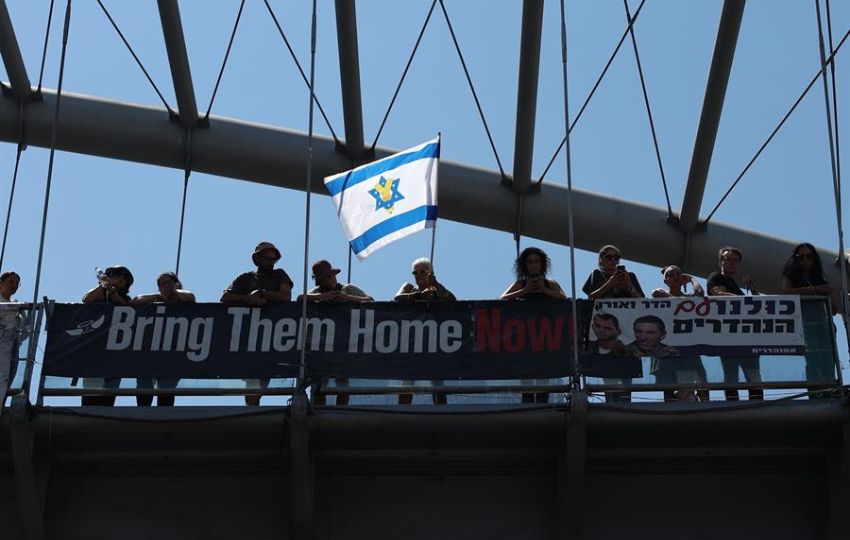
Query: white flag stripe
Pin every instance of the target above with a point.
(359, 206)
(383, 201)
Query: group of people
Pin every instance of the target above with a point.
(802, 275)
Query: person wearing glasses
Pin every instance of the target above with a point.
(722, 283)
(425, 288)
(803, 274)
(170, 292)
(265, 285)
(610, 279)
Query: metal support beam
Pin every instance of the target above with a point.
(15, 67)
(468, 194)
(349, 77)
(30, 472)
(178, 59)
(302, 470)
(526, 106)
(712, 107)
(571, 469)
(838, 521)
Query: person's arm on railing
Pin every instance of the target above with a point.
(516, 291)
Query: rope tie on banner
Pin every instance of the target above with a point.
(20, 149)
(577, 377)
(302, 369)
(52, 155)
(187, 172)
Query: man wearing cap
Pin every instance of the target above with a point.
(328, 289)
(113, 288)
(266, 284)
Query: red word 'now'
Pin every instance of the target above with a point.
(544, 334)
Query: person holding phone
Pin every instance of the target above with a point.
(531, 268)
(610, 279)
(425, 288)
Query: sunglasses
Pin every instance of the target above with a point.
(804, 256)
(610, 257)
(420, 272)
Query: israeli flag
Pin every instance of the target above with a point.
(387, 199)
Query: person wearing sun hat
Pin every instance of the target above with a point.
(266, 284)
(328, 289)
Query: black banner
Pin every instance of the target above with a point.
(460, 340)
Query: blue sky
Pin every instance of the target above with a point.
(106, 212)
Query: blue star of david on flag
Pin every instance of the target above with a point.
(386, 194)
(371, 208)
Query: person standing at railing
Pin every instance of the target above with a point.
(611, 280)
(425, 288)
(9, 320)
(113, 288)
(683, 369)
(802, 274)
(328, 289)
(266, 284)
(723, 283)
(531, 268)
(170, 292)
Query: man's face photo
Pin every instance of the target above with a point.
(648, 335)
(605, 330)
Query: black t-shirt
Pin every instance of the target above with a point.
(716, 279)
(251, 281)
(598, 278)
(798, 280)
(536, 295)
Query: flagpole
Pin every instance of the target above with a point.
(434, 227)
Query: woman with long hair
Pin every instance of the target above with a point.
(531, 268)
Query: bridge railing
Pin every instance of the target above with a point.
(487, 351)
(19, 322)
